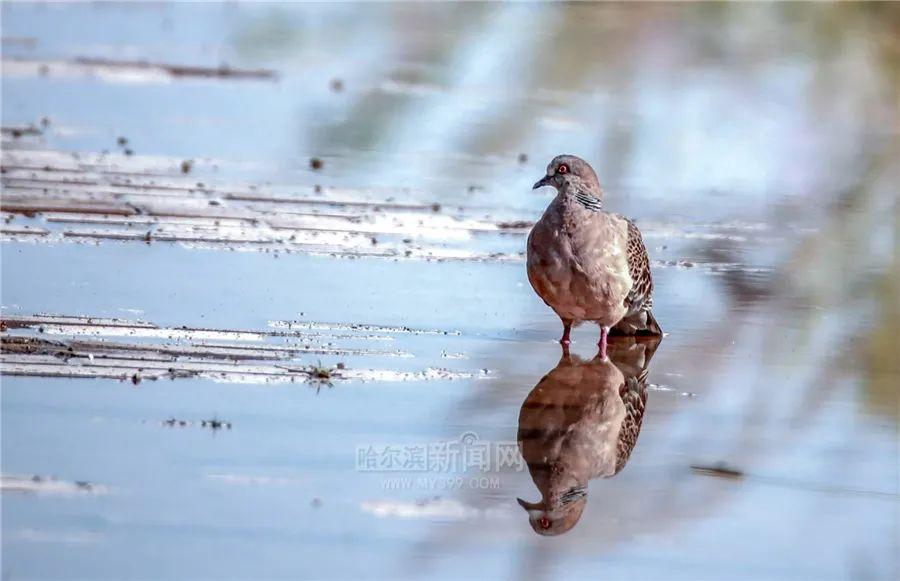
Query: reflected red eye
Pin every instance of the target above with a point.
(563, 168)
(545, 522)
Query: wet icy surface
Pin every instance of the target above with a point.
(756, 146)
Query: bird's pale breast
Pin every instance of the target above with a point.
(578, 262)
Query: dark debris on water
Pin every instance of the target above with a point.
(718, 470)
(213, 424)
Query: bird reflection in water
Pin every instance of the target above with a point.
(580, 422)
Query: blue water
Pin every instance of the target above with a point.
(760, 136)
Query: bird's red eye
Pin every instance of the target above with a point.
(545, 522)
(563, 168)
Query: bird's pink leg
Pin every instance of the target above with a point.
(567, 328)
(604, 331)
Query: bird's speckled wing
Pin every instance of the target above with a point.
(634, 395)
(641, 295)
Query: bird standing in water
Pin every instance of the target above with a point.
(588, 264)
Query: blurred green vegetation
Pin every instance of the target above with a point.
(882, 350)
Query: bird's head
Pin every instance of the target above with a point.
(570, 170)
(557, 516)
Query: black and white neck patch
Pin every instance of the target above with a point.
(588, 201)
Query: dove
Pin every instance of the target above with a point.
(588, 264)
(580, 422)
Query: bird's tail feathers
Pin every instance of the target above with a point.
(640, 323)
(653, 327)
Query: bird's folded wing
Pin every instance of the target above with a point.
(634, 395)
(641, 295)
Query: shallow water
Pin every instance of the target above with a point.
(756, 146)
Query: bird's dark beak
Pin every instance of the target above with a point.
(529, 505)
(544, 181)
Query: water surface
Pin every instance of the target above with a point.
(756, 146)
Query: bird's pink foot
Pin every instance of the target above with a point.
(602, 343)
(567, 328)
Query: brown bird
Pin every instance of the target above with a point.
(582, 421)
(588, 264)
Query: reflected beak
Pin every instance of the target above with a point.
(544, 181)
(529, 506)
